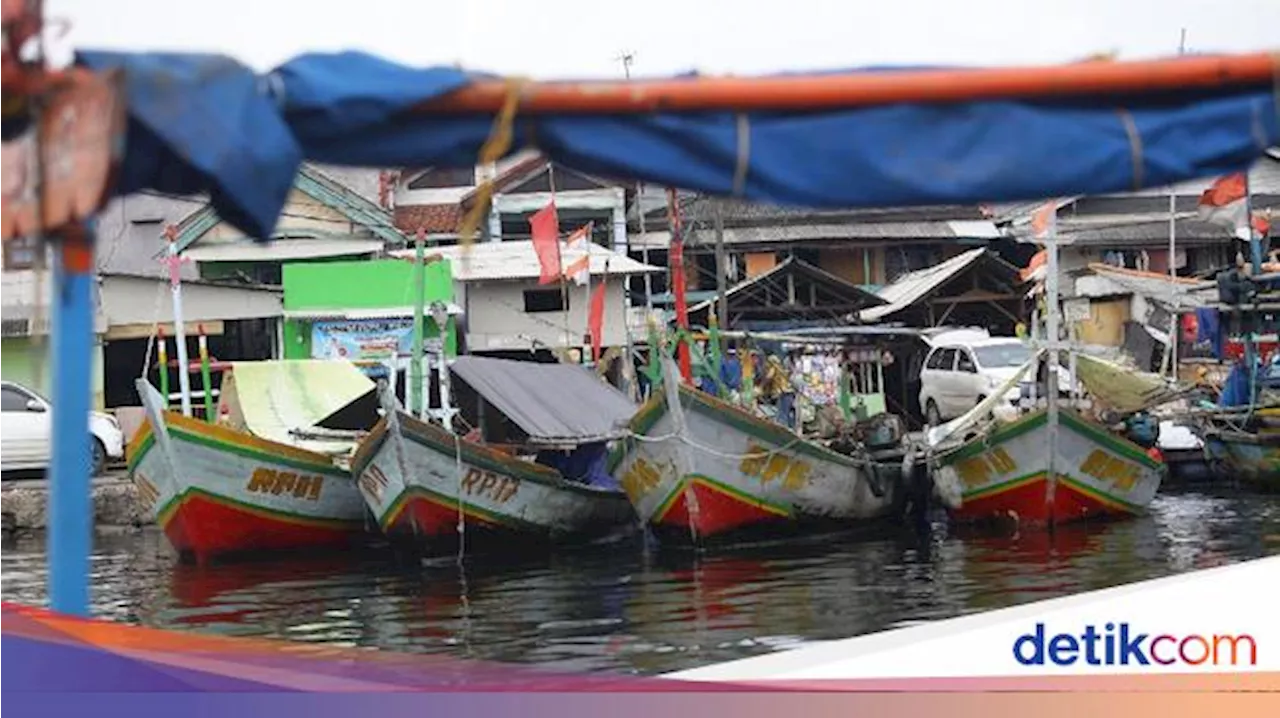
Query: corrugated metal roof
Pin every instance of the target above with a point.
(1150, 285)
(517, 260)
(912, 286)
(554, 404)
(968, 229)
(281, 249)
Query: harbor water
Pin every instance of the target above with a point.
(630, 608)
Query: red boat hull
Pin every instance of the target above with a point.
(1029, 503)
(204, 526)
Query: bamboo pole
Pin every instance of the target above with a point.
(206, 382)
(861, 89)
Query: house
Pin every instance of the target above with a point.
(322, 220)
(231, 285)
(436, 200)
(1132, 229)
(864, 247)
(24, 347)
(506, 311)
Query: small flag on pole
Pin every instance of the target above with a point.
(1226, 203)
(1044, 221)
(578, 245)
(546, 242)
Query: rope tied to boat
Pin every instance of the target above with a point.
(495, 148)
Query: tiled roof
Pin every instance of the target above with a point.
(433, 218)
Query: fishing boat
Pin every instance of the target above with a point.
(701, 470)
(532, 473)
(1245, 448)
(1054, 464)
(268, 474)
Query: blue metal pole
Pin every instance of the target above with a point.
(70, 513)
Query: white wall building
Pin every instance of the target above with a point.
(505, 309)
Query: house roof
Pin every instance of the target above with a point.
(552, 403)
(911, 287)
(492, 261)
(431, 218)
(317, 185)
(792, 265)
(1150, 285)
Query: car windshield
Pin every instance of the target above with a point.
(995, 356)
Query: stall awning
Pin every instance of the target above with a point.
(552, 403)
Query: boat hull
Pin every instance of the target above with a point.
(422, 483)
(1005, 476)
(217, 492)
(715, 473)
(1253, 459)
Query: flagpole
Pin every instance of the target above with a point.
(179, 330)
(588, 248)
(1171, 351)
(564, 287)
(416, 404)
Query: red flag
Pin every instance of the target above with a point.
(546, 242)
(595, 320)
(1225, 203)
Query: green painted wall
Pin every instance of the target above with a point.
(363, 284)
(27, 362)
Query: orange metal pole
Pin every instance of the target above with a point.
(799, 92)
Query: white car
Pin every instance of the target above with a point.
(26, 436)
(962, 371)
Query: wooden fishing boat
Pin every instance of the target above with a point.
(424, 485)
(428, 487)
(218, 490)
(710, 471)
(1251, 457)
(1005, 473)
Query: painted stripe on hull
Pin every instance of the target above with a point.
(1024, 499)
(207, 525)
(705, 508)
(437, 515)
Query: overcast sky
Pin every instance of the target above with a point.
(584, 38)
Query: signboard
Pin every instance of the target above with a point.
(371, 343)
(1076, 310)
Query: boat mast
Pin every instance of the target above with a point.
(676, 260)
(416, 405)
(1044, 227)
(174, 262)
(1171, 351)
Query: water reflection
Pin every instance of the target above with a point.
(631, 608)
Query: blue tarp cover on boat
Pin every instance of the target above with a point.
(207, 123)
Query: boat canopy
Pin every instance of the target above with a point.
(1123, 388)
(271, 399)
(555, 404)
(879, 137)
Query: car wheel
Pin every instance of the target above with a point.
(932, 416)
(99, 457)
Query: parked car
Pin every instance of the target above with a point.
(963, 369)
(26, 436)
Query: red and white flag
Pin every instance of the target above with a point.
(578, 255)
(595, 320)
(1226, 203)
(1045, 220)
(545, 225)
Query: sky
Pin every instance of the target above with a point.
(585, 38)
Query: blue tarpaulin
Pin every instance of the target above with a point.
(201, 123)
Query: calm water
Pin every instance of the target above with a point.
(627, 609)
